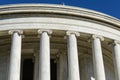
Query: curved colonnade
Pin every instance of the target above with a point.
(81, 41)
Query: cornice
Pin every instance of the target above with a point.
(58, 9)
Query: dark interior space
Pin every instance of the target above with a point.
(28, 66)
(28, 70)
(53, 70)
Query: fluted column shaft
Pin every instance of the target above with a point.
(73, 66)
(116, 54)
(15, 56)
(98, 59)
(44, 56)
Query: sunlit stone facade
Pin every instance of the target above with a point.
(58, 42)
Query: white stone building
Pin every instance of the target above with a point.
(57, 42)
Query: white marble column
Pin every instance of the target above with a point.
(15, 55)
(116, 56)
(36, 65)
(99, 71)
(44, 55)
(63, 73)
(73, 66)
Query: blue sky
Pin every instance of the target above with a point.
(110, 7)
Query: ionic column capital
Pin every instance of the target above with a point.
(41, 31)
(72, 32)
(116, 42)
(15, 31)
(98, 36)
